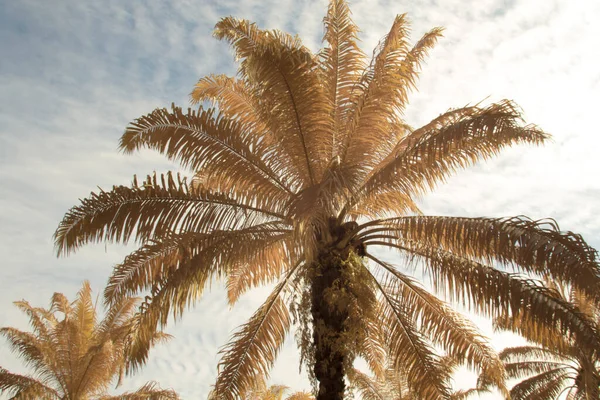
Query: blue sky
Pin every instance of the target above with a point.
(74, 73)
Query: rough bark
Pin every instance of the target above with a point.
(329, 319)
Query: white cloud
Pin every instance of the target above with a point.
(75, 73)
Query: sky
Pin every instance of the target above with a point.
(73, 74)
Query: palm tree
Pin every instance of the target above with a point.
(555, 363)
(261, 391)
(303, 165)
(74, 356)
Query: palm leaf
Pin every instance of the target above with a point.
(409, 350)
(210, 143)
(152, 210)
(215, 251)
(287, 75)
(150, 391)
(367, 388)
(457, 336)
(22, 387)
(546, 386)
(342, 63)
(428, 158)
(388, 82)
(254, 347)
(537, 247)
(495, 293)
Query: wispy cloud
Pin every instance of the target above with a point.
(75, 73)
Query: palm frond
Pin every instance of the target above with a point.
(384, 205)
(266, 260)
(548, 336)
(255, 345)
(372, 99)
(372, 349)
(21, 387)
(238, 100)
(537, 247)
(217, 251)
(456, 335)
(546, 386)
(210, 143)
(467, 394)
(300, 396)
(525, 353)
(33, 350)
(495, 293)
(289, 80)
(367, 388)
(150, 391)
(179, 283)
(392, 75)
(342, 64)
(425, 159)
(523, 369)
(409, 350)
(41, 320)
(153, 209)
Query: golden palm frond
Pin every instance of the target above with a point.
(393, 385)
(545, 386)
(372, 348)
(495, 293)
(537, 247)
(308, 157)
(286, 72)
(386, 85)
(368, 388)
(22, 387)
(213, 144)
(458, 337)
(260, 391)
(150, 391)
(300, 396)
(559, 362)
(342, 63)
(74, 355)
(237, 100)
(409, 349)
(216, 253)
(420, 162)
(466, 394)
(253, 350)
(153, 209)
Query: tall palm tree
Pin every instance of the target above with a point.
(555, 363)
(303, 165)
(73, 355)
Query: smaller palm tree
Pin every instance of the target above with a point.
(556, 364)
(74, 356)
(260, 391)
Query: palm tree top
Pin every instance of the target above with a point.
(72, 354)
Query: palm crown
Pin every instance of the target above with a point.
(73, 355)
(301, 167)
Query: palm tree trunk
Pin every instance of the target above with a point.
(329, 317)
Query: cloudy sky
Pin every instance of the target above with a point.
(74, 73)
